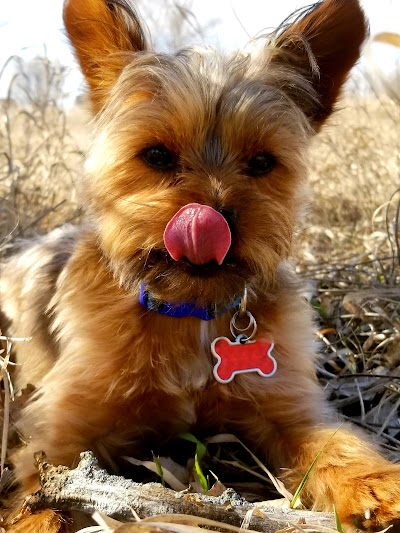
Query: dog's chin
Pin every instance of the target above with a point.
(204, 285)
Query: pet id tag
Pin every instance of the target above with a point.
(243, 354)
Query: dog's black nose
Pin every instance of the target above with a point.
(230, 215)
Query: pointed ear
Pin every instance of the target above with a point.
(102, 32)
(322, 46)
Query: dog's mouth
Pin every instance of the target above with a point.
(209, 269)
(162, 259)
(182, 281)
(199, 261)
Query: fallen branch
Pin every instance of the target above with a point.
(89, 488)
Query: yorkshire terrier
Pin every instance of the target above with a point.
(174, 308)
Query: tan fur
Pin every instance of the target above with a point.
(115, 378)
(47, 521)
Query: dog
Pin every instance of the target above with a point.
(174, 307)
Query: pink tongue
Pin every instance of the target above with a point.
(199, 233)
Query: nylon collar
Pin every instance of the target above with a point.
(184, 309)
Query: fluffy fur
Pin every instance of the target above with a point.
(113, 377)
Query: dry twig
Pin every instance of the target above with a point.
(88, 488)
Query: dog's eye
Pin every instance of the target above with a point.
(159, 157)
(260, 164)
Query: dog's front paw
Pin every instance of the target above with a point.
(369, 501)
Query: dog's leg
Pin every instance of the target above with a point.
(76, 422)
(290, 433)
(349, 473)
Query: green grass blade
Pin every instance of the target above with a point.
(339, 526)
(203, 481)
(303, 482)
(159, 469)
(201, 449)
(300, 488)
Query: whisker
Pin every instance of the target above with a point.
(147, 257)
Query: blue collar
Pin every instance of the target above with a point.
(180, 310)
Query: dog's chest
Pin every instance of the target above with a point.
(185, 359)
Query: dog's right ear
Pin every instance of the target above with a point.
(102, 32)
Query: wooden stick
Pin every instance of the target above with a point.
(89, 488)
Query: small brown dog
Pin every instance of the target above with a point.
(193, 186)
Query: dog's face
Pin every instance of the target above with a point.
(196, 130)
(196, 174)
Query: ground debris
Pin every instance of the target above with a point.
(91, 489)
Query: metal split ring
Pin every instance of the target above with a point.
(235, 330)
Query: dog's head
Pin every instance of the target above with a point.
(195, 177)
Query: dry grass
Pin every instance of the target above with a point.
(355, 169)
(40, 161)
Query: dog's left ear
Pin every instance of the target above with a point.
(321, 46)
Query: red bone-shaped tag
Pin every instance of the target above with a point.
(237, 358)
